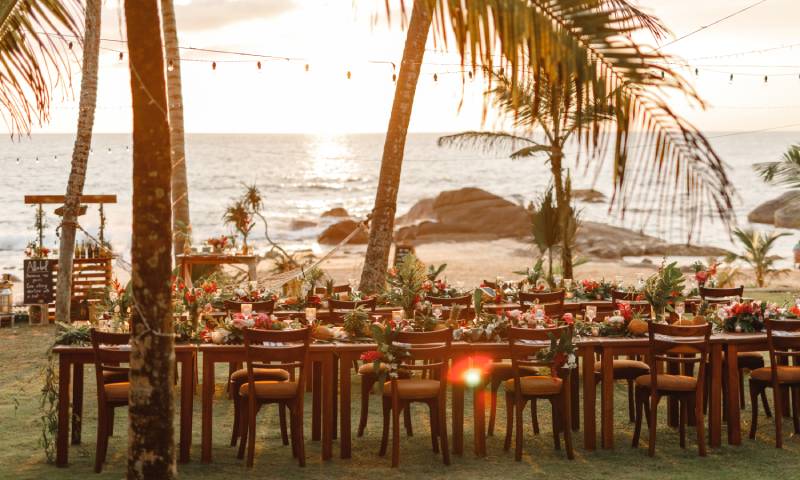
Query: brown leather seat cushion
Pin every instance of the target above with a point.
(271, 390)
(750, 360)
(625, 369)
(115, 377)
(413, 388)
(275, 374)
(369, 369)
(785, 374)
(536, 385)
(117, 392)
(503, 371)
(669, 383)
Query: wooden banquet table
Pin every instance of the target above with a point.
(71, 360)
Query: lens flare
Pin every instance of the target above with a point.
(472, 377)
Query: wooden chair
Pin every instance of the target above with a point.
(553, 301)
(465, 300)
(289, 348)
(338, 307)
(113, 385)
(235, 306)
(336, 289)
(747, 360)
(684, 345)
(783, 337)
(521, 388)
(261, 373)
(433, 349)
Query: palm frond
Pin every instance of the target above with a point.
(786, 172)
(487, 141)
(31, 61)
(530, 151)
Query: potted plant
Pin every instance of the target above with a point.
(239, 217)
(663, 288)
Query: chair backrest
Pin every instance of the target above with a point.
(680, 344)
(783, 337)
(284, 349)
(553, 301)
(448, 301)
(108, 355)
(522, 347)
(336, 289)
(431, 347)
(334, 304)
(717, 295)
(234, 306)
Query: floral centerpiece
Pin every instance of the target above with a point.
(356, 323)
(562, 352)
(745, 317)
(589, 289)
(535, 276)
(194, 301)
(250, 292)
(405, 284)
(703, 273)
(218, 244)
(231, 329)
(664, 288)
(34, 250)
(389, 353)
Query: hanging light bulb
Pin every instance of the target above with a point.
(731, 79)
(120, 56)
(109, 149)
(696, 72)
(307, 67)
(470, 74)
(394, 77)
(171, 65)
(765, 79)
(435, 78)
(127, 148)
(55, 157)
(70, 45)
(258, 64)
(213, 65)
(17, 160)
(349, 74)
(37, 160)
(662, 75)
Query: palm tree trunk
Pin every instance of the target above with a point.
(562, 206)
(151, 445)
(382, 226)
(80, 159)
(180, 189)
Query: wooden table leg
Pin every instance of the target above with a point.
(77, 402)
(187, 391)
(673, 419)
(207, 408)
(589, 400)
(457, 389)
(328, 419)
(715, 400)
(479, 413)
(734, 421)
(575, 404)
(335, 394)
(607, 399)
(62, 444)
(316, 401)
(345, 429)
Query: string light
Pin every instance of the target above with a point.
(171, 65)
(213, 65)
(258, 64)
(731, 79)
(348, 74)
(120, 56)
(765, 79)
(394, 77)
(435, 78)
(307, 67)
(70, 45)
(17, 160)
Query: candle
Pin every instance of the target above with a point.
(247, 308)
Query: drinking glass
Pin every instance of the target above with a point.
(680, 308)
(311, 315)
(557, 279)
(591, 312)
(619, 282)
(538, 314)
(797, 302)
(437, 311)
(640, 281)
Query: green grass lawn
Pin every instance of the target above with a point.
(22, 357)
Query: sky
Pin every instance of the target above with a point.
(335, 37)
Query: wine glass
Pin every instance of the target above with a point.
(619, 282)
(557, 280)
(640, 281)
(568, 287)
(797, 302)
(591, 312)
(437, 311)
(538, 314)
(680, 308)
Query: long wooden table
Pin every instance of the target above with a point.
(70, 372)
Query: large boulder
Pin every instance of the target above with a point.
(766, 212)
(421, 211)
(339, 231)
(300, 224)
(788, 216)
(468, 213)
(336, 212)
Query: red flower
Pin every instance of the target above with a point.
(701, 276)
(371, 356)
(205, 334)
(567, 318)
(559, 359)
(712, 269)
(795, 310)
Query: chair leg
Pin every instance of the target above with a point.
(637, 429)
(293, 433)
(509, 421)
(566, 416)
(433, 409)
(556, 425)
(534, 417)
(776, 402)
(236, 413)
(518, 434)
(493, 406)
(387, 410)
(684, 419)
(301, 442)
(243, 427)
(367, 382)
(407, 420)
(396, 436)
(102, 441)
(631, 413)
(795, 408)
(741, 389)
(251, 434)
(441, 410)
(110, 422)
(651, 447)
(282, 418)
(767, 410)
(701, 432)
(754, 391)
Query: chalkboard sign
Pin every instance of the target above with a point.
(38, 282)
(400, 251)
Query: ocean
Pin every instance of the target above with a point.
(301, 176)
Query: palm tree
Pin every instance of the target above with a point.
(80, 158)
(786, 172)
(373, 276)
(590, 42)
(756, 253)
(557, 115)
(180, 188)
(30, 60)
(545, 228)
(151, 445)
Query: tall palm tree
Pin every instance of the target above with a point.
(151, 445)
(80, 157)
(31, 61)
(757, 246)
(556, 115)
(180, 189)
(373, 276)
(592, 43)
(786, 172)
